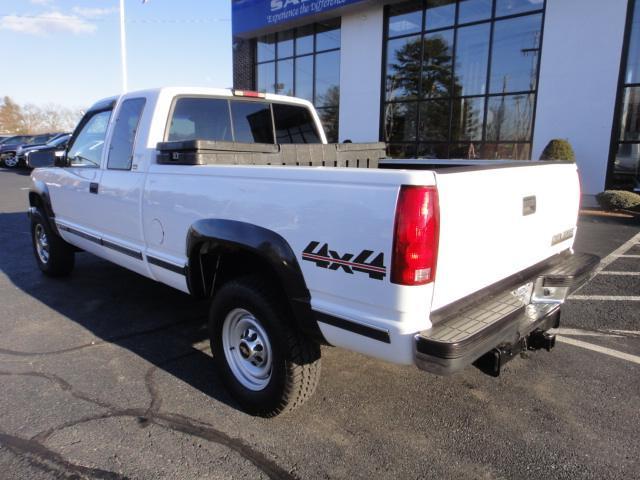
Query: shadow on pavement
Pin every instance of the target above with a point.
(156, 322)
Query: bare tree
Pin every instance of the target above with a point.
(30, 118)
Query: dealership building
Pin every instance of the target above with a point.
(463, 79)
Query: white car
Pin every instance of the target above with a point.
(235, 196)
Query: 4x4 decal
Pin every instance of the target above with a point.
(325, 258)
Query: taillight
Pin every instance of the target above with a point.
(415, 243)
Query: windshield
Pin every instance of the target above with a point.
(18, 139)
(59, 141)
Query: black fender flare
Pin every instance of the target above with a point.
(39, 197)
(270, 247)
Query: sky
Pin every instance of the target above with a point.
(67, 52)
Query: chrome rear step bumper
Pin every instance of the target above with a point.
(508, 316)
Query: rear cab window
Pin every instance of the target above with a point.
(245, 121)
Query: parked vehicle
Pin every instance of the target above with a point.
(9, 151)
(4, 138)
(58, 143)
(205, 190)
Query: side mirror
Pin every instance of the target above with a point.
(45, 159)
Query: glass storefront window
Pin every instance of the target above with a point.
(624, 172)
(328, 36)
(511, 7)
(403, 66)
(266, 81)
(284, 71)
(474, 10)
(466, 81)
(304, 62)
(304, 77)
(472, 58)
(509, 118)
(327, 79)
(266, 48)
(440, 14)
(467, 116)
(437, 64)
(405, 18)
(514, 55)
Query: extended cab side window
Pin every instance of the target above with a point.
(200, 118)
(124, 134)
(86, 150)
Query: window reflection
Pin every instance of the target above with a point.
(472, 57)
(266, 81)
(328, 79)
(434, 120)
(514, 56)
(474, 10)
(440, 14)
(285, 77)
(467, 117)
(328, 35)
(303, 62)
(304, 40)
(329, 119)
(633, 57)
(626, 161)
(509, 118)
(400, 122)
(266, 48)
(440, 90)
(511, 7)
(285, 44)
(405, 18)
(433, 150)
(437, 64)
(403, 68)
(304, 77)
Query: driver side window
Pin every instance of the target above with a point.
(86, 150)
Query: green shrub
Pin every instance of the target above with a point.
(558, 149)
(619, 200)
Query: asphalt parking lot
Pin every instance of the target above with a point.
(107, 375)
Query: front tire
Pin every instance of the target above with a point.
(268, 366)
(54, 256)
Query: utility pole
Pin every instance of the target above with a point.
(123, 48)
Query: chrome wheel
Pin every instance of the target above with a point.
(11, 162)
(247, 349)
(42, 243)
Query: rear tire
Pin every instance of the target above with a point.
(268, 366)
(54, 256)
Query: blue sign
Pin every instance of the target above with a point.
(251, 15)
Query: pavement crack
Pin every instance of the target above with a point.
(44, 459)
(62, 384)
(40, 456)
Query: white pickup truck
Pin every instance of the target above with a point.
(237, 197)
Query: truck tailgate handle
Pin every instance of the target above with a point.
(93, 187)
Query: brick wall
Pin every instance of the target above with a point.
(243, 69)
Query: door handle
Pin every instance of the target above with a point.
(93, 187)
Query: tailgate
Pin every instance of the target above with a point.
(495, 222)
